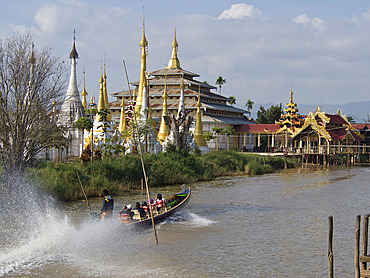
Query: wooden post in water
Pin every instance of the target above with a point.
(330, 248)
(365, 230)
(357, 247)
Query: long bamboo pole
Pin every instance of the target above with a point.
(141, 158)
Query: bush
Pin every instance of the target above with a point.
(125, 173)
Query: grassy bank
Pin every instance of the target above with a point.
(125, 173)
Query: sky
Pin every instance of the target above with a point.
(262, 48)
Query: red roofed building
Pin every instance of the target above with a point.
(364, 130)
(317, 133)
(269, 137)
(327, 134)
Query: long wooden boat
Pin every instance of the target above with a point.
(174, 204)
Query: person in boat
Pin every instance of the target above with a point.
(140, 210)
(126, 213)
(160, 202)
(150, 204)
(108, 205)
(144, 205)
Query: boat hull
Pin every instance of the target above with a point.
(161, 217)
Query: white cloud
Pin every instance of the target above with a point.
(303, 18)
(319, 24)
(366, 15)
(363, 18)
(238, 11)
(316, 22)
(258, 58)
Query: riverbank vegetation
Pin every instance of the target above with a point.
(125, 173)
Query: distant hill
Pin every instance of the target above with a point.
(359, 111)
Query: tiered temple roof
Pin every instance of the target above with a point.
(290, 120)
(214, 106)
(331, 127)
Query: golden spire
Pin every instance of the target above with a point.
(291, 95)
(174, 62)
(101, 104)
(198, 132)
(163, 129)
(122, 120)
(84, 93)
(105, 94)
(143, 49)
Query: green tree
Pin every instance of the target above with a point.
(270, 115)
(249, 105)
(30, 81)
(103, 118)
(220, 81)
(232, 100)
(350, 119)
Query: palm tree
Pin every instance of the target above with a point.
(249, 105)
(220, 81)
(232, 100)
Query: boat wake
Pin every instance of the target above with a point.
(38, 238)
(190, 219)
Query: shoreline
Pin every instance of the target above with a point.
(124, 174)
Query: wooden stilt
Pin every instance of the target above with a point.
(357, 247)
(330, 248)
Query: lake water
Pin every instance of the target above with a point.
(274, 225)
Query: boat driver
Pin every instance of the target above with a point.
(108, 204)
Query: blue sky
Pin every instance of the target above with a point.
(261, 48)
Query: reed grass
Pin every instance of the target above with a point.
(125, 173)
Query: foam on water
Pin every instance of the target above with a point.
(191, 219)
(36, 237)
(56, 240)
(35, 232)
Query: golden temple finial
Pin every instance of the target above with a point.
(291, 95)
(163, 129)
(84, 93)
(105, 94)
(198, 132)
(101, 104)
(143, 48)
(174, 62)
